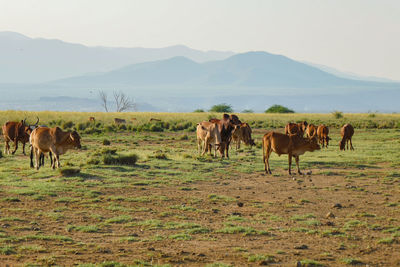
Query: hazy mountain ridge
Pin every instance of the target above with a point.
(28, 60)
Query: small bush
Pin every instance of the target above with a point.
(337, 114)
(66, 172)
(106, 142)
(278, 109)
(198, 110)
(220, 108)
(159, 155)
(129, 159)
(68, 125)
(248, 111)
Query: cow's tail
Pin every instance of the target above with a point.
(263, 149)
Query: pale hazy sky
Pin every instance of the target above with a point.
(361, 36)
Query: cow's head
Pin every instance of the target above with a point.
(342, 144)
(76, 139)
(313, 145)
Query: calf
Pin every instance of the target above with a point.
(119, 121)
(207, 136)
(226, 127)
(296, 128)
(346, 132)
(293, 145)
(243, 134)
(322, 133)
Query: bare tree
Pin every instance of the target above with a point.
(123, 102)
(104, 99)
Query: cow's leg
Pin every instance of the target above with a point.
(16, 146)
(37, 154)
(290, 163)
(266, 160)
(227, 149)
(23, 148)
(297, 164)
(205, 147)
(351, 145)
(51, 158)
(58, 161)
(199, 141)
(31, 156)
(7, 148)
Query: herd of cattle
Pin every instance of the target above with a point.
(218, 133)
(215, 133)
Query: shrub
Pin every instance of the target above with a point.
(68, 125)
(248, 111)
(221, 108)
(129, 159)
(278, 109)
(198, 110)
(106, 142)
(66, 172)
(337, 114)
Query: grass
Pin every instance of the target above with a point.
(164, 196)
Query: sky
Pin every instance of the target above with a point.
(359, 36)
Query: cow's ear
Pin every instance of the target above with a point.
(202, 127)
(72, 136)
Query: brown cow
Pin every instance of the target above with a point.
(311, 131)
(296, 128)
(207, 136)
(293, 145)
(45, 140)
(17, 132)
(153, 119)
(92, 119)
(346, 132)
(226, 126)
(322, 133)
(242, 134)
(119, 121)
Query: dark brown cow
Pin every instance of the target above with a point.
(346, 132)
(45, 140)
(14, 131)
(243, 134)
(92, 119)
(226, 126)
(153, 119)
(322, 133)
(293, 145)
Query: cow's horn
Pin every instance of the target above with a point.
(24, 121)
(37, 121)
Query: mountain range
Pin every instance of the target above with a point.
(62, 76)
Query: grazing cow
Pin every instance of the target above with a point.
(293, 145)
(226, 127)
(208, 135)
(153, 119)
(17, 132)
(346, 132)
(296, 128)
(92, 119)
(242, 134)
(322, 133)
(54, 140)
(119, 121)
(311, 131)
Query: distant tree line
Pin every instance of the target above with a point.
(226, 108)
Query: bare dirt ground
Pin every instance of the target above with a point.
(336, 216)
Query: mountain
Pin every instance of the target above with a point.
(349, 75)
(253, 80)
(36, 60)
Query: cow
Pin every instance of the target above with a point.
(92, 119)
(322, 133)
(293, 145)
(296, 128)
(17, 132)
(226, 126)
(119, 121)
(311, 131)
(346, 132)
(54, 140)
(243, 134)
(208, 135)
(153, 119)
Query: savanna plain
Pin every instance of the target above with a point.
(139, 194)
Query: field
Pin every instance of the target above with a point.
(148, 199)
